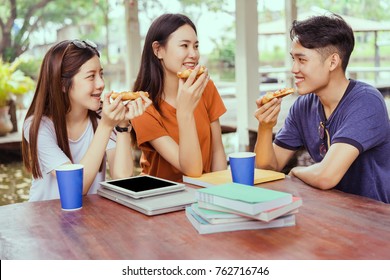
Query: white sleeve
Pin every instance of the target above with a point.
(50, 155)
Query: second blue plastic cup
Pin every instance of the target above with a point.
(242, 166)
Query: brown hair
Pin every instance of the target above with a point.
(60, 64)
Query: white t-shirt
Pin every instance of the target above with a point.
(51, 156)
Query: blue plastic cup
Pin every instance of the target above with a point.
(242, 166)
(70, 186)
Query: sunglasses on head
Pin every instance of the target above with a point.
(323, 133)
(84, 43)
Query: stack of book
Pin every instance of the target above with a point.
(232, 206)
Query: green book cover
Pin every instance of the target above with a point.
(248, 194)
(243, 198)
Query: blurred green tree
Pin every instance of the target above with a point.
(368, 9)
(20, 18)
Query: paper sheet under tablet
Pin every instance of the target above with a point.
(153, 205)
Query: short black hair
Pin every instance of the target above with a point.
(326, 34)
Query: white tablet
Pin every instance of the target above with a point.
(143, 186)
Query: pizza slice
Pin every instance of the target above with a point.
(186, 73)
(129, 95)
(276, 94)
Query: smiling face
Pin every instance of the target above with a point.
(181, 51)
(311, 70)
(87, 86)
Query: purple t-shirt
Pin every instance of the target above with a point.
(361, 120)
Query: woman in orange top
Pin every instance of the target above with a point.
(180, 134)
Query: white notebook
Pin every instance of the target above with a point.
(153, 205)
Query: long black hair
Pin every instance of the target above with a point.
(151, 73)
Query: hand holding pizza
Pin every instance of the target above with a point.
(191, 89)
(138, 106)
(129, 95)
(269, 107)
(134, 102)
(186, 73)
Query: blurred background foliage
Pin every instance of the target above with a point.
(19, 19)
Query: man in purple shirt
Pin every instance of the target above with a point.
(343, 124)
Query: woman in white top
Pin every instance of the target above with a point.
(68, 123)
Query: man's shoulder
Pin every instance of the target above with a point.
(365, 93)
(361, 86)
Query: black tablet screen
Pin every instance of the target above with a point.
(139, 184)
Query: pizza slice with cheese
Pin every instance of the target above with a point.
(276, 94)
(129, 95)
(186, 73)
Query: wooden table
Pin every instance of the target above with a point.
(330, 225)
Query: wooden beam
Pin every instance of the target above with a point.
(133, 39)
(290, 16)
(247, 65)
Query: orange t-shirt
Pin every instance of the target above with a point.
(152, 125)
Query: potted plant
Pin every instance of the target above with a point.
(13, 82)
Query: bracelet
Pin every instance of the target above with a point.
(124, 129)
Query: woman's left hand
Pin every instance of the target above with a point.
(137, 107)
